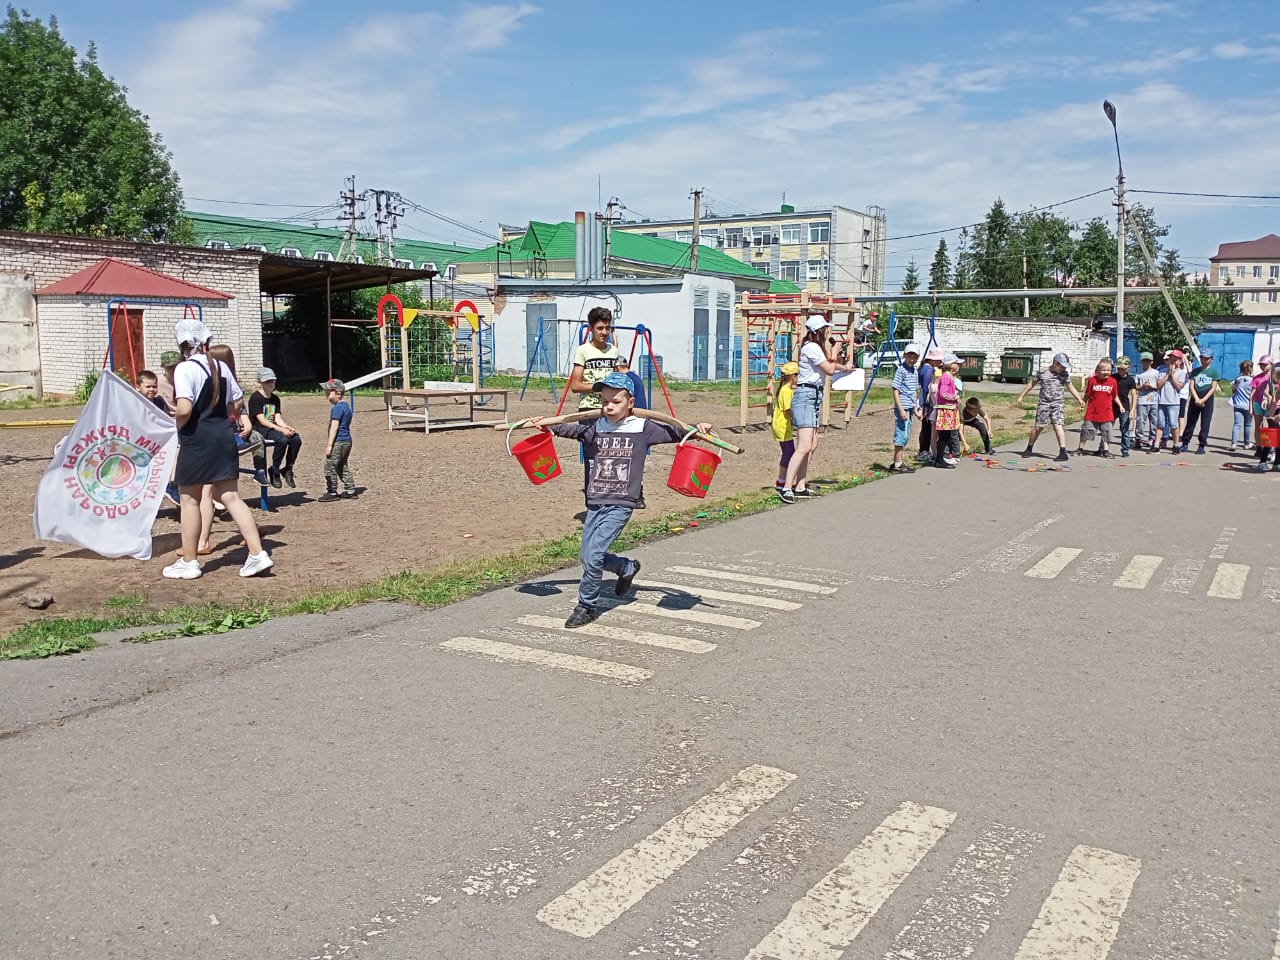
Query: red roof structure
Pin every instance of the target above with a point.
(1264, 248)
(115, 278)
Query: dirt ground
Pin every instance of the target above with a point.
(426, 500)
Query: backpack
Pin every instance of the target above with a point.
(946, 389)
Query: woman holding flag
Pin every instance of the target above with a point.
(204, 391)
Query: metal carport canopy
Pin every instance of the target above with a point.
(292, 276)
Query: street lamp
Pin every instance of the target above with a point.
(1109, 109)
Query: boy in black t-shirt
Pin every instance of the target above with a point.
(264, 413)
(1126, 403)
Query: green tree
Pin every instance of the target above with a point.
(911, 279)
(74, 156)
(1154, 326)
(1094, 261)
(940, 270)
(1142, 219)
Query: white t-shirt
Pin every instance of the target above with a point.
(811, 357)
(188, 379)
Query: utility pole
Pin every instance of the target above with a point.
(697, 237)
(1026, 301)
(349, 199)
(1109, 109)
(608, 222)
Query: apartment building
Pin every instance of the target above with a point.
(824, 250)
(1250, 263)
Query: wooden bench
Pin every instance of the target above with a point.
(415, 406)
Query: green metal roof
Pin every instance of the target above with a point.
(240, 232)
(555, 241)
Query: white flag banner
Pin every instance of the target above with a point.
(104, 487)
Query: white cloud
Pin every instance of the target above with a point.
(1233, 50)
(910, 8)
(1137, 11)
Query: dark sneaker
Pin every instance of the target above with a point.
(287, 473)
(1028, 452)
(1124, 453)
(625, 580)
(274, 475)
(349, 494)
(171, 491)
(640, 504)
(786, 496)
(260, 477)
(806, 494)
(328, 497)
(1182, 449)
(1106, 454)
(581, 616)
(1200, 451)
(902, 468)
(1062, 457)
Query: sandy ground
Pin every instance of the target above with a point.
(426, 500)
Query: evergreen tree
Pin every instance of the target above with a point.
(940, 271)
(911, 279)
(74, 156)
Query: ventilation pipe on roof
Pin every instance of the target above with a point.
(579, 245)
(595, 249)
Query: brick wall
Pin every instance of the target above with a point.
(992, 336)
(73, 330)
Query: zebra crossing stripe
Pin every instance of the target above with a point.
(1139, 572)
(823, 923)
(595, 902)
(683, 644)
(515, 653)
(1271, 591)
(770, 603)
(954, 919)
(1081, 917)
(1228, 581)
(796, 585)
(642, 607)
(1053, 564)
(1093, 569)
(1182, 576)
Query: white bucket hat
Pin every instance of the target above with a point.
(192, 331)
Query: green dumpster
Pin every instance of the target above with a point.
(971, 364)
(1017, 366)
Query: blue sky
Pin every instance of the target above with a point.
(507, 112)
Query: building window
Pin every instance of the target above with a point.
(451, 272)
(1257, 272)
(1240, 271)
(260, 248)
(866, 235)
(684, 236)
(709, 238)
(650, 234)
(1271, 297)
(764, 267)
(290, 252)
(792, 233)
(733, 236)
(1255, 297)
(217, 245)
(322, 255)
(866, 272)
(820, 232)
(1223, 273)
(789, 270)
(762, 236)
(403, 264)
(816, 270)
(1274, 271)
(1238, 297)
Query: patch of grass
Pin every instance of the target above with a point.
(32, 403)
(127, 601)
(436, 587)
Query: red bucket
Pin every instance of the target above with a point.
(692, 470)
(537, 455)
(1269, 436)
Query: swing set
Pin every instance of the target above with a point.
(641, 347)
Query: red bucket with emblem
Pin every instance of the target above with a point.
(537, 456)
(692, 470)
(1269, 436)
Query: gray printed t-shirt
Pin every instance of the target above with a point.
(1053, 386)
(618, 451)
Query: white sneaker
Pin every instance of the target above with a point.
(182, 569)
(256, 564)
(950, 461)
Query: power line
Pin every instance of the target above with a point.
(1220, 196)
(251, 203)
(449, 220)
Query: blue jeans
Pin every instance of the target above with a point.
(1241, 425)
(1125, 424)
(601, 528)
(1168, 422)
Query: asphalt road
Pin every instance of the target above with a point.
(963, 713)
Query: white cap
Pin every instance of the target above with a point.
(816, 322)
(192, 331)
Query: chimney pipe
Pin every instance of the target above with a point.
(579, 245)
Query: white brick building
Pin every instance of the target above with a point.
(50, 342)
